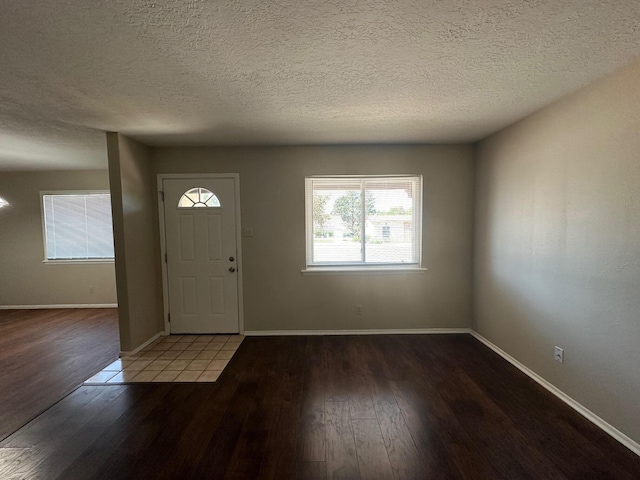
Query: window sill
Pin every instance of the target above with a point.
(78, 262)
(358, 270)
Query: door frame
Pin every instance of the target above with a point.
(163, 241)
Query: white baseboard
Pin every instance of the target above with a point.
(148, 342)
(581, 409)
(405, 331)
(58, 305)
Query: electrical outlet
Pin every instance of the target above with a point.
(358, 309)
(247, 232)
(558, 355)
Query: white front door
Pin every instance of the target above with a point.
(200, 234)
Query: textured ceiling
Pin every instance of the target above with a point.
(241, 72)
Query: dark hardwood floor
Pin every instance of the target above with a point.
(46, 354)
(359, 407)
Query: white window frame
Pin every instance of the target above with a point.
(74, 261)
(359, 267)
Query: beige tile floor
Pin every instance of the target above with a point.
(174, 358)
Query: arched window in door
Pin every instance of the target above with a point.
(198, 197)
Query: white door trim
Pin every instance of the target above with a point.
(163, 241)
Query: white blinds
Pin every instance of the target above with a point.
(78, 226)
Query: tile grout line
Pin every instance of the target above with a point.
(179, 345)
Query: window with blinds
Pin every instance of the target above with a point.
(77, 226)
(371, 220)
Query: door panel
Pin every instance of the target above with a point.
(201, 241)
(215, 237)
(187, 238)
(216, 295)
(189, 295)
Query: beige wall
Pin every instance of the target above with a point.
(136, 240)
(24, 279)
(557, 249)
(278, 297)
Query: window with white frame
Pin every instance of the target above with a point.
(77, 226)
(363, 221)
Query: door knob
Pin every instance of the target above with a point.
(231, 259)
(231, 269)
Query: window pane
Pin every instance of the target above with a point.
(390, 208)
(194, 195)
(185, 202)
(389, 226)
(213, 201)
(337, 223)
(198, 197)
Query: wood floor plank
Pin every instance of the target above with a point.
(220, 449)
(342, 459)
(279, 459)
(42, 426)
(163, 423)
(311, 434)
(46, 354)
(311, 471)
(190, 442)
(360, 390)
(533, 410)
(51, 447)
(337, 369)
(255, 432)
(14, 463)
(138, 455)
(444, 407)
(195, 440)
(481, 424)
(405, 460)
(143, 399)
(449, 451)
(434, 427)
(71, 442)
(373, 459)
